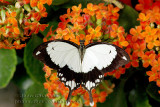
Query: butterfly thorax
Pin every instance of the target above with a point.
(81, 49)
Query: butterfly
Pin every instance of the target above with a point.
(80, 65)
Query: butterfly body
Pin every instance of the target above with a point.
(80, 65)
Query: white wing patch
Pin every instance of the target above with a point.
(99, 56)
(62, 54)
(38, 53)
(124, 58)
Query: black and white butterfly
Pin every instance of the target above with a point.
(79, 64)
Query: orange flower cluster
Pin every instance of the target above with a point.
(145, 5)
(16, 25)
(94, 23)
(144, 40)
(10, 34)
(59, 96)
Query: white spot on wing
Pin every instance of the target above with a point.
(87, 85)
(124, 58)
(93, 84)
(73, 85)
(38, 53)
(67, 83)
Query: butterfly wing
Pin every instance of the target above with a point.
(59, 53)
(98, 59)
(63, 56)
(104, 56)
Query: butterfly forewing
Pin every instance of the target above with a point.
(104, 56)
(99, 56)
(57, 54)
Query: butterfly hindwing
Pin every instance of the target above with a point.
(90, 80)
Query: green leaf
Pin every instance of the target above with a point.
(128, 18)
(35, 96)
(117, 98)
(138, 96)
(152, 90)
(32, 65)
(8, 62)
(59, 2)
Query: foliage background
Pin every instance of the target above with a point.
(132, 89)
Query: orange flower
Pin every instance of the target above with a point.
(136, 33)
(47, 70)
(116, 31)
(150, 37)
(49, 2)
(16, 30)
(60, 33)
(148, 60)
(153, 75)
(138, 49)
(63, 22)
(156, 65)
(76, 18)
(95, 32)
(134, 61)
(77, 9)
(90, 9)
(77, 27)
(70, 35)
(101, 14)
(113, 12)
(33, 3)
(144, 19)
(144, 5)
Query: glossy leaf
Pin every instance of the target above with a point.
(117, 98)
(59, 2)
(8, 61)
(152, 91)
(32, 65)
(138, 96)
(128, 18)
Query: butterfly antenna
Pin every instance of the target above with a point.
(69, 97)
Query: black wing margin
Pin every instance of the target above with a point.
(121, 59)
(41, 54)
